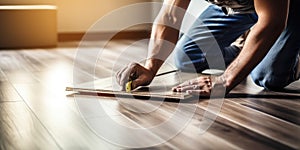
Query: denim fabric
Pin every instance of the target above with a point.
(209, 38)
(278, 68)
(207, 45)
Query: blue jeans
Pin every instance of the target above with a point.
(209, 38)
(278, 68)
(207, 45)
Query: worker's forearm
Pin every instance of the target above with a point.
(161, 45)
(165, 32)
(272, 16)
(258, 43)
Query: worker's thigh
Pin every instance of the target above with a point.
(278, 68)
(207, 43)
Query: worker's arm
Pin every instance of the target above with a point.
(272, 18)
(164, 36)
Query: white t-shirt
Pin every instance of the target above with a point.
(235, 6)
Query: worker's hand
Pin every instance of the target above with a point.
(202, 86)
(136, 73)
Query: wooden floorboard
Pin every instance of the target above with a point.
(20, 129)
(229, 130)
(274, 107)
(261, 123)
(35, 109)
(8, 92)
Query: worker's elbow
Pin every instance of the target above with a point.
(171, 20)
(172, 16)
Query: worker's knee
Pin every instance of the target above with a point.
(269, 82)
(183, 62)
(186, 55)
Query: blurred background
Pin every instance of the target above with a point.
(42, 23)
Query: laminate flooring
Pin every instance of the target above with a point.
(37, 113)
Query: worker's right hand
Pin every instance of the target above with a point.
(139, 75)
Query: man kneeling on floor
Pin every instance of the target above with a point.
(261, 37)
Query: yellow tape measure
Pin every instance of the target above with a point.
(128, 86)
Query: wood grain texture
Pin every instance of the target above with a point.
(20, 129)
(261, 123)
(35, 105)
(8, 92)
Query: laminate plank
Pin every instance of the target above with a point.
(48, 67)
(80, 72)
(261, 123)
(31, 65)
(283, 105)
(49, 103)
(43, 60)
(68, 125)
(3, 77)
(22, 61)
(59, 114)
(20, 129)
(94, 106)
(121, 131)
(8, 62)
(221, 129)
(8, 93)
(15, 69)
(86, 62)
(284, 110)
(227, 130)
(182, 134)
(116, 128)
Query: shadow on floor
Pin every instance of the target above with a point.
(265, 95)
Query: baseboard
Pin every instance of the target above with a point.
(95, 36)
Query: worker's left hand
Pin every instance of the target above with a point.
(202, 86)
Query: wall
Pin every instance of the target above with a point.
(80, 15)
